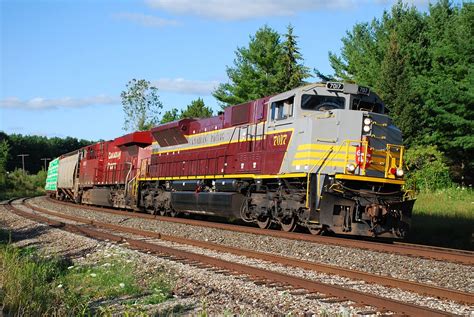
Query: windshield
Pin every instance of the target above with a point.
(362, 105)
(322, 103)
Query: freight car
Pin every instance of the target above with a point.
(324, 156)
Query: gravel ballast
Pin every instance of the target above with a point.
(195, 289)
(442, 274)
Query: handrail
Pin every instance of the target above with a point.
(309, 173)
(331, 153)
(391, 161)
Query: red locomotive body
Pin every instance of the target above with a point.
(102, 172)
(217, 146)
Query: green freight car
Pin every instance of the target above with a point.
(52, 178)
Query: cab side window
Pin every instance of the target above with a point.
(282, 109)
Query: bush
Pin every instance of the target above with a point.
(21, 184)
(426, 169)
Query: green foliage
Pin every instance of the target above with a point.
(427, 169)
(22, 184)
(196, 109)
(294, 72)
(141, 105)
(4, 153)
(37, 147)
(27, 282)
(267, 66)
(421, 64)
(32, 285)
(170, 116)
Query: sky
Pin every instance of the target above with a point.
(63, 63)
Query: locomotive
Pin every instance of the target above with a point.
(323, 156)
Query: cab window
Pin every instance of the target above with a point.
(362, 105)
(282, 109)
(322, 103)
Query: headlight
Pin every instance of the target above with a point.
(367, 121)
(350, 168)
(366, 128)
(399, 172)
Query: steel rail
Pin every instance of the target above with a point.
(382, 303)
(416, 287)
(435, 253)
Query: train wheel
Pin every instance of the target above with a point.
(264, 222)
(163, 212)
(288, 225)
(315, 231)
(174, 213)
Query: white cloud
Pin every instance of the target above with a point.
(145, 20)
(185, 86)
(247, 9)
(39, 103)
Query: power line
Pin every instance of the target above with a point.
(45, 159)
(23, 160)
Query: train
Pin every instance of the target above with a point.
(325, 157)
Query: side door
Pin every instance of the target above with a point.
(280, 129)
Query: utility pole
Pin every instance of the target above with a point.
(23, 160)
(45, 159)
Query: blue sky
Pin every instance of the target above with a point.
(64, 63)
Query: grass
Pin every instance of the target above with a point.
(444, 218)
(33, 285)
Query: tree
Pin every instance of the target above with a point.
(196, 109)
(170, 116)
(266, 67)
(4, 153)
(141, 105)
(421, 66)
(294, 72)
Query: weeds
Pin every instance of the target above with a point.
(33, 285)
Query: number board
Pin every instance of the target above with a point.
(335, 86)
(363, 90)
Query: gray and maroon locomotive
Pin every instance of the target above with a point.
(324, 156)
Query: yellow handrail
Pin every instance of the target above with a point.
(391, 161)
(309, 173)
(330, 154)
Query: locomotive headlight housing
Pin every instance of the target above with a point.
(367, 128)
(350, 168)
(399, 172)
(367, 121)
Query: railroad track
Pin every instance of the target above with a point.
(268, 277)
(427, 252)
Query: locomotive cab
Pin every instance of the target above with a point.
(352, 155)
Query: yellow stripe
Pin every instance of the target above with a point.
(310, 155)
(323, 147)
(204, 146)
(370, 179)
(220, 143)
(280, 131)
(255, 176)
(314, 162)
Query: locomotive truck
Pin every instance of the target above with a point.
(324, 156)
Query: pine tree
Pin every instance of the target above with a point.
(294, 72)
(170, 116)
(196, 109)
(256, 72)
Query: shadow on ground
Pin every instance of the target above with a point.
(449, 232)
